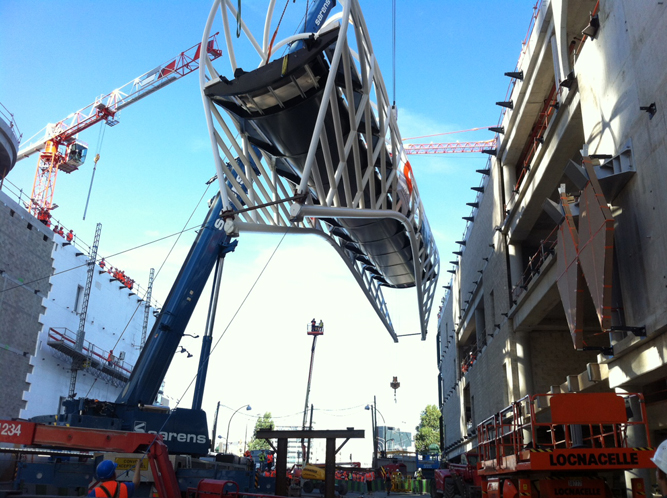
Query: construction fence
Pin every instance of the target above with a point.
(399, 484)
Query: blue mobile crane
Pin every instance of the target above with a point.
(184, 430)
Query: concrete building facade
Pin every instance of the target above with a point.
(560, 283)
(42, 282)
(25, 268)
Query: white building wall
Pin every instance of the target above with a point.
(114, 322)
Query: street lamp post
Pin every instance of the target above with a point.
(374, 421)
(247, 407)
(215, 427)
(375, 437)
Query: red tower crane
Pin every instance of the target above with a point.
(487, 146)
(60, 149)
(451, 147)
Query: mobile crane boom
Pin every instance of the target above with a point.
(211, 244)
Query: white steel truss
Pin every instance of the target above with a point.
(335, 183)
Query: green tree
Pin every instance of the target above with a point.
(263, 422)
(428, 430)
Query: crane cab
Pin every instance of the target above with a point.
(76, 156)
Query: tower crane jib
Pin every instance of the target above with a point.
(59, 147)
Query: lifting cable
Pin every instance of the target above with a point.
(238, 20)
(175, 234)
(157, 273)
(275, 33)
(100, 140)
(231, 320)
(238, 310)
(393, 48)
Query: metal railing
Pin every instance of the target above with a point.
(96, 355)
(9, 117)
(535, 140)
(23, 199)
(534, 266)
(567, 424)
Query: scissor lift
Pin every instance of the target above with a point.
(570, 445)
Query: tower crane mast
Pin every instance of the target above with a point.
(59, 148)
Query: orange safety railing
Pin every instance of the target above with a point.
(549, 110)
(535, 139)
(585, 37)
(67, 337)
(535, 263)
(504, 434)
(566, 421)
(23, 198)
(469, 359)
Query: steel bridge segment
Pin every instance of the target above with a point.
(318, 123)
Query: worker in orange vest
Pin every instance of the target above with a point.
(109, 487)
(103, 263)
(70, 236)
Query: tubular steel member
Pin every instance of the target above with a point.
(315, 128)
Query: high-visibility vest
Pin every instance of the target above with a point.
(110, 489)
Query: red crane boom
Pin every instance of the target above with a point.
(451, 148)
(61, 150)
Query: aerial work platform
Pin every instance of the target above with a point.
(90, 356)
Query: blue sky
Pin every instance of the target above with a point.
(450, 59)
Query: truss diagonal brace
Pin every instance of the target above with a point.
(299, 211)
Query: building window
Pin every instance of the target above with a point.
(79, 299)
(467, 407)
(61, 406)
(506, 386)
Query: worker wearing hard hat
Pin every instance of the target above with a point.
(660, 461)
(109, 487)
